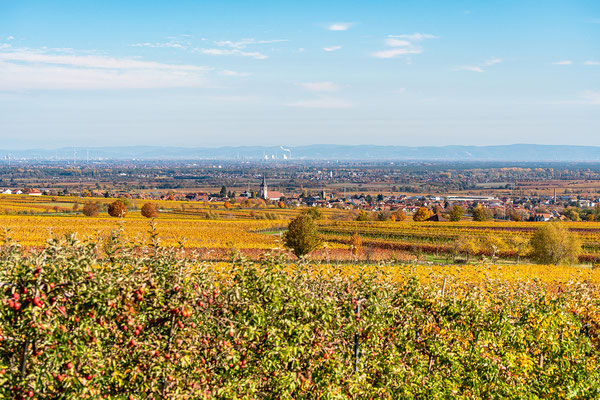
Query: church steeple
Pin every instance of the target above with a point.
(263, 188)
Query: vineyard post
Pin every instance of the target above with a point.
(357, 342)
(444, 287)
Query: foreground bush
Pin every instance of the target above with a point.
(90, 319)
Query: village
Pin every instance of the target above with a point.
(538, 208)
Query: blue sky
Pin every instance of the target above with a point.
(211, 73)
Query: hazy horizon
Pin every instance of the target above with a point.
(213, 73)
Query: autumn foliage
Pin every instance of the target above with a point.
(302, 236)
(91, 320)
(422, 214)
(149, 210)
(117, 209)
(90, 209)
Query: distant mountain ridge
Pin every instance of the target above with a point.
(515, 152)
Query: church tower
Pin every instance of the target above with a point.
(263, 189)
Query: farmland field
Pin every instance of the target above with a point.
(204, 301)
(252, 228)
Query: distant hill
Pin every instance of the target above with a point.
(515, 152)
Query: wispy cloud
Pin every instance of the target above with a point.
(229, 52)
(340, 26)
(590, 97)
(415, 37)
(479, 67)
(322, 102)
(26, 69)
(332, 48)
(242, 44)
(238, 48)
(591, 63)
(161, 45)
(563, 62)
(320, 86)
(393, 42)
(10, 38)
(402, 45)
(395, 53)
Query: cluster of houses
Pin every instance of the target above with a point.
(28, 191)
(538, 209)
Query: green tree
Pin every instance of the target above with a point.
(554, 244)
(314, 212)
(480, 213)
(302, 236)
(572, 214)
(456, 213)
(223, 192)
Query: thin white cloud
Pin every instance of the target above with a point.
(492, 61)
(563, 62)
(332, 48)
(479, 67)
(242, 44)
(90, 61)
(10, 38)
(340, 26)
(393, 42)
(395, 52)
(323, 102)
(321, 86)
(237, 48)
(402, 45)
(590, 97)
(161, 45)
(591, 63)
(415, 37)
(27, 69)
(229, 52)
(473, 68)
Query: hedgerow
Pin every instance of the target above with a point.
(117, 319)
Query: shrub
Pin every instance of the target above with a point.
(362, 216)
(90, 209)
(422, 214)
(554, 244)
(117, 209)
(149, 210)
(314, 212)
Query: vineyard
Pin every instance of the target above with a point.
(89, 319)
(214, 229)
